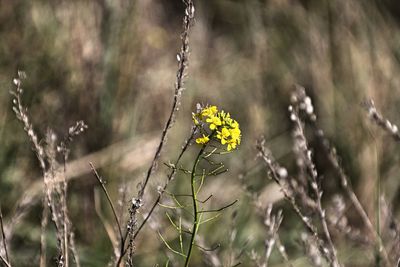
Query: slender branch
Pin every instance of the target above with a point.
(45, 220)
(220, 209)
(101, 182)
(345, 183)
(306, 155)
(3, 260)
(195, 207)
(22, 115)
(282, 250)
(274, 171)
(3, 236)
(204, 201)
(169, 178)
(183, 61)
(111, 232)
(217, 246)
(381, 121)
(334, 159)
(169, 247)
(161, 192)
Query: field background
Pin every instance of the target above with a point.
(113, 65)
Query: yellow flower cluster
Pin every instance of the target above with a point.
(218, 125)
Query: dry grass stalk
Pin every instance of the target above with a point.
(55, 193)
(124, 152)
(380, 120)
(304, 100)
(306, 157)
(272, 222)
(6, 259)
(183, 62)
(119, 253)
(280, 176)
(171, 176)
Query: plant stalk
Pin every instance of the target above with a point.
(195, 212)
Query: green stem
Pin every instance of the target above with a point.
(195, 207)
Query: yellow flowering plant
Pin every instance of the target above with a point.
(218, 126)
(214, 128)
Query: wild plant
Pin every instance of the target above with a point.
(219, 134)
(304, 192)
(47, 151)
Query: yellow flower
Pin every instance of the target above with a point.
(209, 111)
(214, 122)
(223, 135)
(223, 128)
(203, 140)
(235, 133)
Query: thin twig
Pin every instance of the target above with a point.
(195, 207)
(381, 121)
(334, 159)
(43, 249)
(183, 60)
(3, 260)
(282, 250)
(3, 236)
(170, 177)
(101, 182)
(219, 209)
(307, 157)
(109, 229)
(274, 171)
(77, 168)
(21, 114)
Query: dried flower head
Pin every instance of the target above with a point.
(217, 125)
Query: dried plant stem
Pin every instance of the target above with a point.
(272, 223)
(299, 132)
(345, 182)
(273, 168)
(195, 206)
(381, 121)
(169, 178)
(77, 168)
(21, 114)
(183, 60)
(65, 232)
(378, 220)
(121, 236)
(73, 248)
(4, 261)
(282, 250)
(55, 192)
(3, 237)
(45, 214)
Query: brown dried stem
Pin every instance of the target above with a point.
(170, 177)
(103, 187)
(183, 61)
(301, 96)
(275, 172)
(315, 183)
(3, 237)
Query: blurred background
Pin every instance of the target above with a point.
(113, 65)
